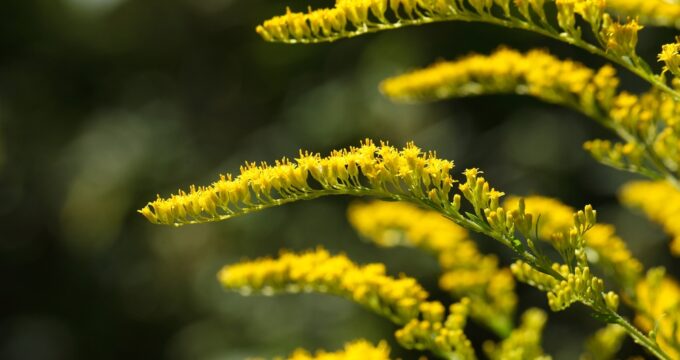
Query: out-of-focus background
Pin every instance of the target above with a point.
(105, 103)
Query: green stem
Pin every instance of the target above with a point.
(639, 337)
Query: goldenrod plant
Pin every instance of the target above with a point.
(417, 200)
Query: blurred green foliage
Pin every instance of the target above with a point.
(105, 102)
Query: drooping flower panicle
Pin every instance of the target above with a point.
(536, 73)
(319, 271)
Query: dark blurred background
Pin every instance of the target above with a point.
(105, 103)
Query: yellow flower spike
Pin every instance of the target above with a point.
(466, 272)
(397, 299)
(524, 342)
(355, 350)
(381, 171)
(603, 246)
(505, 71)
(660, 201)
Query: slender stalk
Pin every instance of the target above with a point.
(639, 337)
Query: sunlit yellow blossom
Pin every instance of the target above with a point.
(536, 73)
(318, 271)
(382, 171)
(670, 56)
(660, 201)
(524, 342)
(604, 246)
(620, 38)
(658, 297)
(444, 337)
(355, 350)
(466, 272)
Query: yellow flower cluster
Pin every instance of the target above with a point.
(660, 201)
(397, 299)
(348, 18)
(605, 343)
(603, 245)
(572, 281)
(524, 342)
(466, 272)
(670, 55)
(626, 156)
(444, 337)
(658, 298)
(658, 12)
(643, 120)
(382, 171)
(651, 117)
(355, 350)
(579, 285)
(536, 73)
